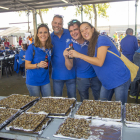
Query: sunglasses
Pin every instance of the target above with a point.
(42, 24)
(73, 21)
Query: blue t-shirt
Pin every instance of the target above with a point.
(38, 76)
(129, 45)
(22, 52)
(59, 70)
(83, 68)
(113, 72)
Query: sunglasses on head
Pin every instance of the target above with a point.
(42, 24)
(73, 21)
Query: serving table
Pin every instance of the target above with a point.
(50, 130)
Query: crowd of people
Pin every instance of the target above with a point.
(87, 65)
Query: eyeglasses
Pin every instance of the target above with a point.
(73, 21)
(57, 15)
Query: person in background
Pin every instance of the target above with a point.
(22, 58)
(60, 74)
(129, 44)
(86, 76)
(11, 51)
(110, 69)
(2, 49)
(20, 41)
(121, 36)
(37, 75)
(6, 44)
(139, 43)
(115, 36)
(134, 85)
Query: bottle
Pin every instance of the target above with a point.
(46, 60)
(71, 48)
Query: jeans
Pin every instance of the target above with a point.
(59, 84)
(83, 85)
(35, 90)
(121, 92)
(134, 86)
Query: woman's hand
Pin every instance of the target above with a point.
(66, 53)
(73, 53)
(42, 64)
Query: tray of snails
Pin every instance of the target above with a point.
(132, 115)
(104, 110)
(26, 122)
(7, 115)
(18, 101)
(86, 129)
(56, 107)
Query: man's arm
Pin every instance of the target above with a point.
(68, 62)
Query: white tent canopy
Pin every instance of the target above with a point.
(9, 31)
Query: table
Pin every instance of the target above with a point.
(127, 133)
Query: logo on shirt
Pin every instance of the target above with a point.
(67, 40)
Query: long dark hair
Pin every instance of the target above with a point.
(48, 44)
(93, 41)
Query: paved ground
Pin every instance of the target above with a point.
(15, 84)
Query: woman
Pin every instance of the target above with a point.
(111, 71)
(37, 79)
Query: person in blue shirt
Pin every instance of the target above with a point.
(85, 74)
(21, 57)
(60, 74)
(129, 44)
(110, 69)
(134, 85)
(37, 75)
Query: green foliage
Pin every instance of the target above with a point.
(88, 10)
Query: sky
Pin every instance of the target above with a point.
(120, 13)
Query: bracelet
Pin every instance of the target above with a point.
(37, 65)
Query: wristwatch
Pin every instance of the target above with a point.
(37, 65)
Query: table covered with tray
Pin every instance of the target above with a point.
(65, 119)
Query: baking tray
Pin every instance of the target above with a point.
(100, 130)
(98, 116)
(39, 130)
(15, 102)
(131, 123)
(21, 129)
(10, 118)
(40, 104)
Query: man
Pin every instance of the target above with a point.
(129, 44)
(60, 74)
(86, 76)
(134, 85)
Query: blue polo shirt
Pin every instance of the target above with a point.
(38, 76)
(59, 70)
(22, 52)
(114, 72)
(83, 68)
(129, 45)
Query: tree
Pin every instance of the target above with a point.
(94, 9)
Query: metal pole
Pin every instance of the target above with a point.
(81, 13)
(128, 14)
(136, 4)
(28, 21)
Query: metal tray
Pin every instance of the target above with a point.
(98, 117)
(12, 117)
(23, 107)
(106, 130)
(58, 115)
(20, 129)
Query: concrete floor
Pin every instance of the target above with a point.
(15, 84)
